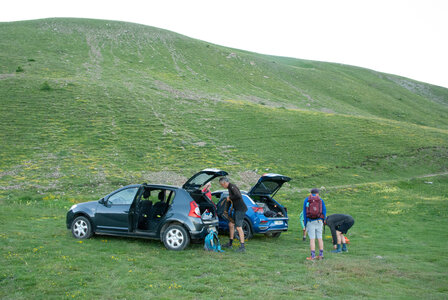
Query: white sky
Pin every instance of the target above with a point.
(402, 37)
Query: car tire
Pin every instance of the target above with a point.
(273, 234)
(81, 228)
(175, 237)
(246, 229)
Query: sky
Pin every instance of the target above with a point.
(403, 37)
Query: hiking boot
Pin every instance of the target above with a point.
(304, 238)
(227, 245)
(320, 257)
(241, 249)
(310, 258)
(338, 250)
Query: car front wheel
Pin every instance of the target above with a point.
(175, 237)
(81, 228)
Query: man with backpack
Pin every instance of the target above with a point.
(315, 211)
(339, 225)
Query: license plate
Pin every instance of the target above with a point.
(278, 222)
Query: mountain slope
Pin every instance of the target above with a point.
(96, 103)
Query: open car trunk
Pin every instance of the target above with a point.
(270, 208)
(203, 202)
(201, 178)
(263, 191)
(268, 184)
(194, 184)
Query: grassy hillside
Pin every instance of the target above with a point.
(98, 100)
(88, 106)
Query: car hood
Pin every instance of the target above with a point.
(268, 184)
(85, 205)
(202, 177)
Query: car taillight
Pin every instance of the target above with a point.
(194, 210)
(257, 209)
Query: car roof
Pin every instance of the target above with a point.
(165, 186)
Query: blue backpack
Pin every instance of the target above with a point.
(211, 242)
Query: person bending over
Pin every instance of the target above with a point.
(339, 225)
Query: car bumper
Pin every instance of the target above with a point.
(271, 225)
(200, 228)
(69, 218)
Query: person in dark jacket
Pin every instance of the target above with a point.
(239, 208)
(339, 225)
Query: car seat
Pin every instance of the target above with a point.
(160, 207)
(145, 209)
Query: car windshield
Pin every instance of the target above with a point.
(125, 196)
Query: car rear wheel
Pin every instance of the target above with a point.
(175, 237)
(273, 234)
(81, 228)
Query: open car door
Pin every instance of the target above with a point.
(133, 210)
(268, 184)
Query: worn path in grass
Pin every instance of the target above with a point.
(375, 182)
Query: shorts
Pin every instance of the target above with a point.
(344, 227)
(314, 229)
(239, 217)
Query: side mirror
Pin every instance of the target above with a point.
(102, 201)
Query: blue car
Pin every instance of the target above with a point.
(264, 214)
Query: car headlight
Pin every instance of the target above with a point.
(73, 206)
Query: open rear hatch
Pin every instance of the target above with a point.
(263, 191)
(193, 185)
(268, 185)
(201, 178)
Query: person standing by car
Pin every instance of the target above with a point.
(206, 190)
(239, 208)
(315, 211)
(339, 225)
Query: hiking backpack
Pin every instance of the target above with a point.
(314, 208)
(211, 242)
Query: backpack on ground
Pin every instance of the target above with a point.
(314, 208)
(211, 242)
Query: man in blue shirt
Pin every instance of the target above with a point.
(315, 211)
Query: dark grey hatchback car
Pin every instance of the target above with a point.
(168, 213)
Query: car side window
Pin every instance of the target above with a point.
(123, 197)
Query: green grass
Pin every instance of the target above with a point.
(391, 254)
(88, 106)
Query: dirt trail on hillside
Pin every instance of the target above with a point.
(335, 187)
